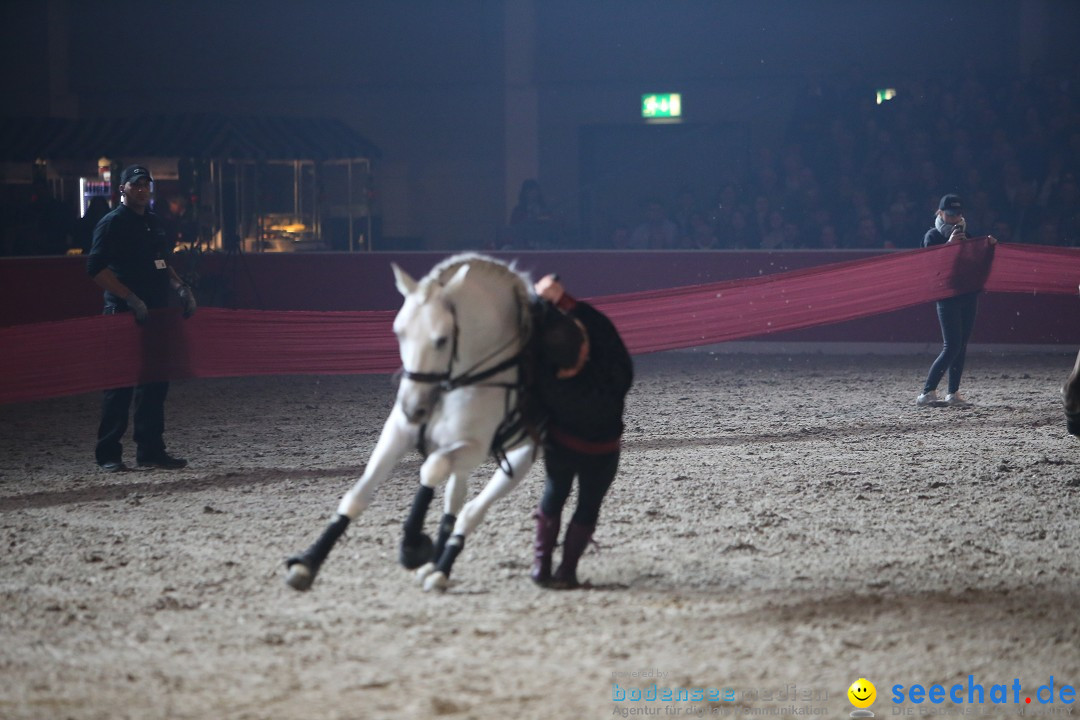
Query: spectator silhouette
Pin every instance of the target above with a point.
(739, 235)
(702, 234)
(532, 224)
(656, 231)
(682, 216)
(84, 226)
(531, 205)
(180, 227)
(51, 220)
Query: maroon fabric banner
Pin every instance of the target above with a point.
(73, 356)
(1034, 269)
(718, 312)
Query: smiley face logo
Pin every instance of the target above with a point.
(862, 693)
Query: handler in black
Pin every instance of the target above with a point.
(581, 385)
(128, 259)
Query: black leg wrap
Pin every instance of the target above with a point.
(313, 557)
(446, 527)
(416, 547)
(418, 552)
(454, 546)
(414, 523)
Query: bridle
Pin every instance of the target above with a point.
(513, 427)
(447, 381)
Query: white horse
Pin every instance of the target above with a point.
(462, 332)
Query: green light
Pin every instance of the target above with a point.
(666, 105)
(885, 95)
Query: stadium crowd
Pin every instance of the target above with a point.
(856, 172)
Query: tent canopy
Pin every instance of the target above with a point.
(189, 135)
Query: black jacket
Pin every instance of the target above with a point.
(934, 237)
(585, 412)
(135, 248)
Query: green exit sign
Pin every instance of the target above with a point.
(667, 105)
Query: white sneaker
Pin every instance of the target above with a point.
(928, 399)
(956, 400)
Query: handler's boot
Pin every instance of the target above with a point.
(574, 544)
(547, 531)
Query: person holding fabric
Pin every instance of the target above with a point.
(581, 383)
(956, 314)
(129, 260)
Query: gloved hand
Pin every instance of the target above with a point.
(137, 306)
(188, 298)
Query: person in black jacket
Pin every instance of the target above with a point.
(129, 260)
(956, 314)
(585, 372)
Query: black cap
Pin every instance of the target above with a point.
(951, 204)
(133, 173)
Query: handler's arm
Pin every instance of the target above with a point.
(107, 280)
(186, 295)
(549, 288)
(174, 280)
(97, 262)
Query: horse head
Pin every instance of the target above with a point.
(426, 330)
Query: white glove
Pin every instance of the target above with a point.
(188, 298)
(137, 306)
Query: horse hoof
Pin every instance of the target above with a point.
(413, 556)
(299, 577)
(436, 581)
(425, 570)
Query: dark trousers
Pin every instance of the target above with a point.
(957, 318)
(595, 473)
(149, 421)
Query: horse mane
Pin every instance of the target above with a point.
(518, 281)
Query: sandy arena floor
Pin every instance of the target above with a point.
(778, 521)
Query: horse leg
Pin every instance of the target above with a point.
(446, 528)
(457, 487)
(452, 466)
(394, 441)
(520, 460)
(416, 545)
(456, 490)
